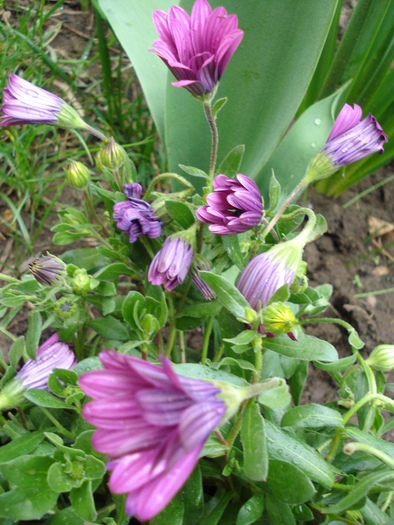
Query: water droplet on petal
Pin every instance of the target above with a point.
(317, 121)
(313, 144)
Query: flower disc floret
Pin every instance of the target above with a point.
(235, 205)
(152, 423)
(196, 48)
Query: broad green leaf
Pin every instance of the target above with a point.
(214, 509)
(243, 338)
(88, 258)
(94, 468)
(193, 497)
(278, 397)
(43, 398)
(260, 104)
(231, 164)
(337, 366)
(306, 348)
(59, 481)
(198, 371)
(374, 515)
(172, 514)
(289, 483)
(254, 443)
(228, 294)
(312, 416)
(297, 381)
(21, 446)
(33, 333)
(284, 447)
(230, 361)
(291, 158)
(66, 516)
(110, 328)
(180, 212)
(251, 510)
(27, 503)
(360, 490)
(274, 192)
(90, 363)
(113, 271)
(82, 501)
(278, 512)
(218, 105)
(27, 471)
(201, 310)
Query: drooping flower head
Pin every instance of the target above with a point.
(350, 140)
(152, 424)
(47, 270)
(196, 49)
(25, 103)
(135, 216)
(172, 263)
(199, 263)
(268, 272)
(235, 205)
(35, 372)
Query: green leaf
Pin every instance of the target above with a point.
(20, 446)
(110, 328)
(172, 513)
(243, 338)
(303, 513)
(194, 172)
(90, 363)
(251, 510)
(312, 416)
(278, 397)
(66, 516)
(289, 483)
(180, 212)
(193, 498)
(82, 501)
(228, 294)
(27, 471)
(360, 490)
(254, 443)
(16, 351)
(132, 305)
(33, 333)
(274, 192)
(306, 348)
(27, 503)
(215, 508)
(284, 447)
(88, 258)
(58, 480)
(337, 366)
(43, 398)
(94, 468)
(281, 295)
(231, 243)
(113, 271)
(201, 310)
(319, 229)
(232, 162)
(217, 106)
(198, 371)
(278, 512)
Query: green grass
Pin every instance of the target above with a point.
(32, 157)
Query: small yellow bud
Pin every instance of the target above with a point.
(278, 318)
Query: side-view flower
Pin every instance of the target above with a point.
(171, 264)
(25, 103)
(152, 423)
(235, 205)
(35, 372)
(196, 49)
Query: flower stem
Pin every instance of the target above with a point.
(215, 137)
(95, 132)
(93, 213)
(362, 402)
(56, 423)
(164, 176)
(297, 190)
(350, 448)
(207, 335)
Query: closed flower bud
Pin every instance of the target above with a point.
(382, 358)
(47, 270)
(83, 282)
(278, 318)
(111, 156)
(77, 174)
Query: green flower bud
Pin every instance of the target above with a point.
(278, 318)
(111, 156)
(150, 324)
(77, 174)
(81, 281)
(382, 358)
(68, 118)
(65, 308)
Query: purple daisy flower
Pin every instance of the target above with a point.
(196, 49)
(51, 354)
(135, 216)
(152, 424)
(352, 139)
(268, 272)
(171, 264)
(235, 205)
(25, 103)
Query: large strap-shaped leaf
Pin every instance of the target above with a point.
(131, 21)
